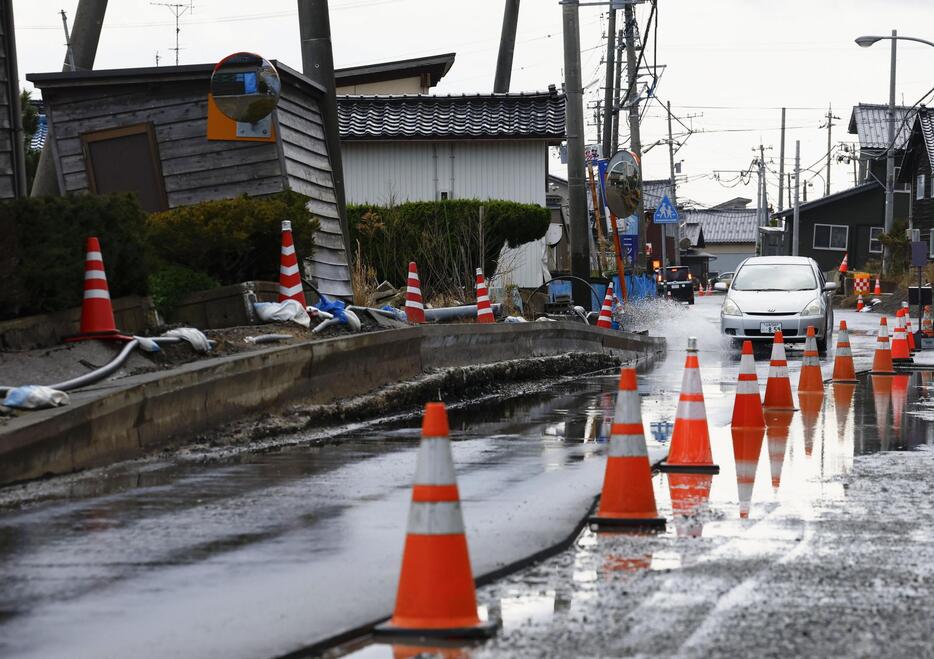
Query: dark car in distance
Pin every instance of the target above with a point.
(677, 280)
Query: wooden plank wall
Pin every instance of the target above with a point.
(194, 168)
(308, 169)
(7, 187)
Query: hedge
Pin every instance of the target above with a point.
(42, 241)
(231, 240)
(443, 237)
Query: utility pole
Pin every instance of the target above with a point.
(85, 35)
(674, 191)
(781, 167)
(614, 147)
(830, 117)
(890, 164)
(608, 91)
(178, 10)
(507, 46)
(69, 53)
(314, 27)
(796, 222)
(577, 191)
(635, 139)
(598, 119)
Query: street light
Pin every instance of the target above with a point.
(866, 42)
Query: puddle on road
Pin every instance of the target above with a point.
(793, 464)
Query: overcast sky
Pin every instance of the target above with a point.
(734, 63)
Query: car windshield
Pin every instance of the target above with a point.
(774, 277)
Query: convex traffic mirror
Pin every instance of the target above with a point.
(245, 87)
(623, 184)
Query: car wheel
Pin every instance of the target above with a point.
(691, 300)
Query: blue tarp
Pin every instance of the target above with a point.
(637, 286)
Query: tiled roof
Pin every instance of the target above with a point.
(724, 226)
(693, 232)
(481, 116)
(653, 191)
(868, 121)
(926, 119)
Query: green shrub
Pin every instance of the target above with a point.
(230, 240)
(443, 237)
(172, 283)
(42, 241)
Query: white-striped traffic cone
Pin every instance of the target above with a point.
(606, 311)
(414, 309)
(290, 279)
(484, 310)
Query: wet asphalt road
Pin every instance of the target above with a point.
(828, 551)
(257, 554)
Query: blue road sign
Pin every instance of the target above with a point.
(666, 213)
(629, 249)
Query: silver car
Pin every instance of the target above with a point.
(770, 293)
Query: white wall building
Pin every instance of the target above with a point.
(423, 148)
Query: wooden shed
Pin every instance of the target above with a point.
(145, 130)
(12, 168)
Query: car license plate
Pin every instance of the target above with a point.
(769, 328)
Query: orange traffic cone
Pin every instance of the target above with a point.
(709, 288)
(842, 268)
(882, 359)
(909, 330)
(747, 407)
(811, 378)
(843, 369)
(927, 323)
(690, 440)
(700, 290)
(778, 423)
(290, 278)
(606, 311)
(900, 352)
(689, 492)
(877, 289)
(627, 499)
(484, 310)
(414, 309)
(747, 447)
(436, 595)
(859, 303)
(97, 315)
(778, 386)
(412, 651)
(811, 403)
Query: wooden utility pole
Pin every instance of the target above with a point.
(674, 191)
(577, 193)
(830, 117)
(796, 221)
(635, 139)
(614, 146)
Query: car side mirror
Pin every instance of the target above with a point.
(720, 286)
(830, 286)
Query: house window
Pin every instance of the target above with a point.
(831, 236)
(919, 187)
(875, 245)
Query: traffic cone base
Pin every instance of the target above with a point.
(627, 500)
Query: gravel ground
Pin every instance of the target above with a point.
(845, 571)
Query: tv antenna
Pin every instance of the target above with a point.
(178, 10)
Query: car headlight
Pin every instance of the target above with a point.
(813, 308)
(730, 308)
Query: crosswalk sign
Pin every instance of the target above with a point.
(666, 213)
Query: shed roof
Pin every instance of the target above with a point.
(725, 226)
(694, 233)
(869, 186)
(539, 115)
(868, 121)
(434, 67)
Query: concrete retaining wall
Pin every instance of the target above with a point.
(134, 416)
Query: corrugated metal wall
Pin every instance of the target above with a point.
(513, 170)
